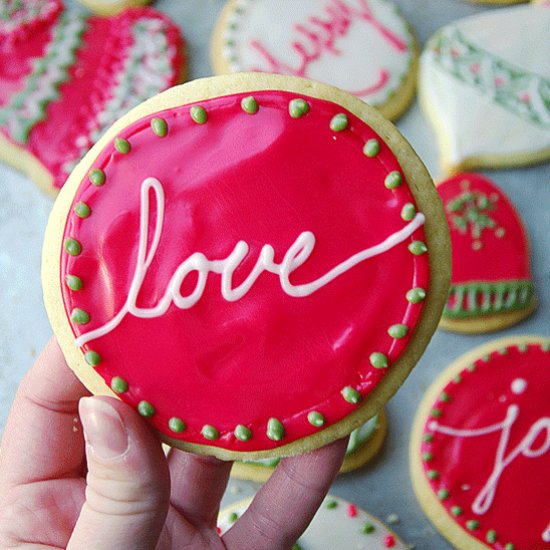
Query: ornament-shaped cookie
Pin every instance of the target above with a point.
(480, 451)
(65, 78)
(485, 84)
(254, 262)
(491, 282)
(364, 47)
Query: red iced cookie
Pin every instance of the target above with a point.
(481, 447)
(65, 78)
(246, 260)
(491, 283)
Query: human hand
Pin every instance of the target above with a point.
(115, 489)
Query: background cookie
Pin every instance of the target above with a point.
(337, 524)
(111, 7)
(65, 78)
(480, 450)
(490, 71)
(364, 47)
(364, 443)
(491, 281)
(137, 192)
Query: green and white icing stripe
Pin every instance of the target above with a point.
(146, 71)
(474, 299)
(28, 107)
(15, 14)
(524, 93)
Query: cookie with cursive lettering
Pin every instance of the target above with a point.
(364, 443)
(337, 524)
(480, 450)
(112, 7)
(365, 47)
(254, 262)
(486, 293)
(476, 69)
(66, 77)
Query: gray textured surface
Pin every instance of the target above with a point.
(383, 487)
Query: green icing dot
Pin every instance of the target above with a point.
(275, 429)
(427, 456)
(456, 510)
(393, 180)
(510, 546)
(233, 517)
(378, 360)
(198, 114)
(457, 379)
(119, 385)
(523, 348)
(367, 528)
(428, 437)
(122, 146)
(97, 176)
(209, 432)
(436, 413)
(408, 212)
(92, 358)
(351, 395)
(249, 105)
(371, 148)
(503, 351)
(433, 474)
(316, 419)
(339, 122)
(298, 108)
(471, 368)
(398, 331)
(418, 248)
(146, 409)
(82, 210)
(472, 524)
(331, 504)
(79, 316)
(159, 127)
(491, 536)
(545, 346)
(242, 433)
(177, 425)
(72, 246)
(443, 494)
(74, 282)
(445, 397)
(416, 295)
(296, 546)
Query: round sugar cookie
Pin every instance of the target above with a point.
(491, 282)
(364, 444)
(111, 7)
(337, 524)
(480, 449)
(66, 77)
(484, 82)
(254, 262)
(365, 47)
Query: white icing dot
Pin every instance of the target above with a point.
(519, 385)
(465, 487)
(432, 425)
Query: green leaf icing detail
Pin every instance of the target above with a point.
(198, 114)
(119, 385)
(418, 248)
(378, 360)
(316, 419)
(275, 429)
(491, 536)
(408, 212)
(242, 433)
(393, 180)
(74, 282)
(416, 295)
(368, 528)
(209, 432)
(298, 108)
(159, 127)
(72, 246)
(456, 511)
(339, 122)
(177, 425)
(398, 331)
(122, 146)
(249, 105)
(82, 210)
(146, 409)
(97, 177)
(371, 148)
(351, 395)
(472, 524)
(79, 316)
(92, 358)
(443, 494)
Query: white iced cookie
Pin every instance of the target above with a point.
(111, 7)
(362, 46)
(485, 84)
(337, 524)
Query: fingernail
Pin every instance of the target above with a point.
(104, 430)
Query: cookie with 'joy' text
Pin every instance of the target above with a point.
(254, 262)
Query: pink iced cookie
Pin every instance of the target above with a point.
(480, 451)
(65, 78)
(248, 262)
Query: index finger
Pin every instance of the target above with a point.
(43, 437)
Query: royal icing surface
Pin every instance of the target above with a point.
(362, 46)
(251, 252)
(496, 65)
(74, 76)
(337, 524)
(486, 447)
(491, 270)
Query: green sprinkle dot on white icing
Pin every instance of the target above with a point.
(339, 122)
(198, 114)
(146, 409)
(398, 331)
(408, 212)
(92, 358)
(97, 177)
(393, 180)
(378, 360)
(233, 517)
(418, 248)
(177, 425)
(331, 504)
(159, 127)
(249, 105)
(316, 419)
(74, 282)
(298, 108)
(275, 429)
(119, 385)
(79, 316)
(122, 146)
(371, 148)
(351, 395)
(82, 210)
(416, 295)
(368, 528)
(242, 433)
(209, 432)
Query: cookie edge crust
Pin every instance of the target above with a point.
(431, 506)
(420, 184)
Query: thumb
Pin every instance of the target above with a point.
(128, 484)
